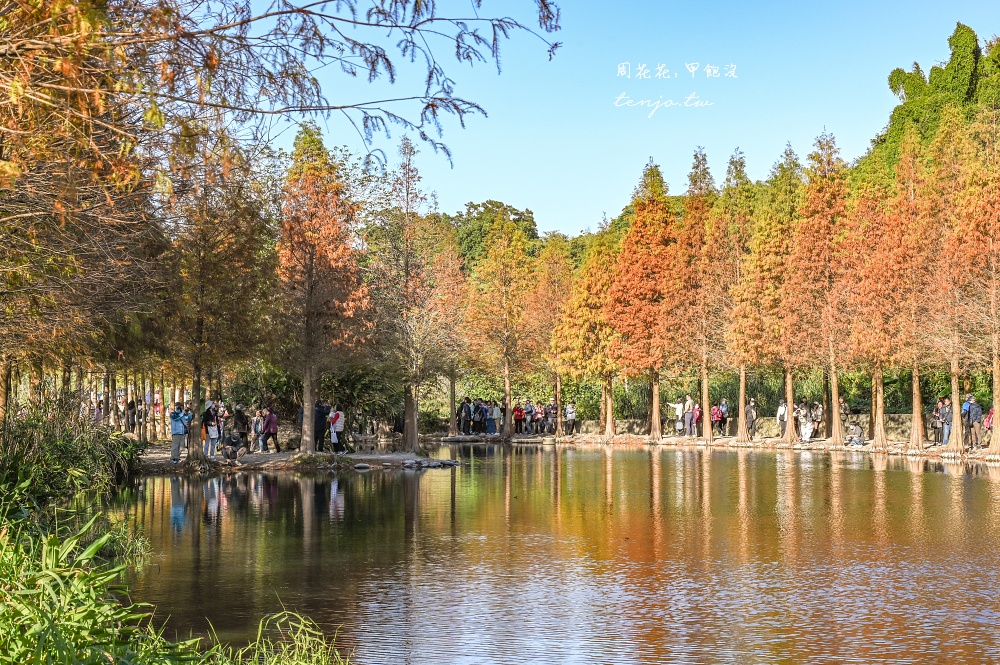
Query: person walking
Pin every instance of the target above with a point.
(180, 419)
(689, 416)
(270, 430)
(570, 416)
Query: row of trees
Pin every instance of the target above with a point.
(327, 268)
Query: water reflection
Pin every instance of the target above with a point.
(549, 554)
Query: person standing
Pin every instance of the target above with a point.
(716, 417)
(210, 424)
(258, 431)
(570, 418)
(724, 408)
(782, 417)
(551, 416)
(241, 424)
(179, 422)
(751, 418)
(804, 417)
(689, 416)
(845, 413)
(491, 423)
(270, 430)
(518, 418)
(337, 430)
(529, 417)
(946, 417)
(975, 418)
(320, 416)
(936, 421)
(465, 416)
(817, 418)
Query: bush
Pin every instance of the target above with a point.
(59, 453)
(59, 604)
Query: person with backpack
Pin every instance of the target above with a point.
(465, 416)
(975, 423)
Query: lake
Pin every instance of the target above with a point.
(569, 554)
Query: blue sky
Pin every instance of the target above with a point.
(555, 142)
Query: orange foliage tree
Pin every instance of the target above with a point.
(323, 300)
(635, 303)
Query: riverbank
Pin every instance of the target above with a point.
(156, 458)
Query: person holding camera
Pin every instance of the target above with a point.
(180, 418)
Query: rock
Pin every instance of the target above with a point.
(361, 466)
(435, 464)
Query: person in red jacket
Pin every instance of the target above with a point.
(270, 430)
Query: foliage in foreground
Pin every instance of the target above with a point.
(58, 453)
(59, 604)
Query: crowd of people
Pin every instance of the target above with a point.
(486, 417)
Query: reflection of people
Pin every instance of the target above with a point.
(336, 501)
(178, 508)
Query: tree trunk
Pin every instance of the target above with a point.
(559, 408)
(879, 439)
(790, 433)
(656, 427)
(140, 405)
(609, 425)
(6, 369)
(506, 435)
(164, 431)
(836, 430)
(113, 411)
(917, 417)
(956, 441)
(706, 405)
(411, 439)
(742, 431)
(195, 449)
(602, 408)
(453, 418)
(871, 410)
(308, 443)
(994, 436)
(826, 407)
(67, 375)
(150, 410)
(35, 381)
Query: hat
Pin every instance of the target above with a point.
(240, 407)
(209, 404)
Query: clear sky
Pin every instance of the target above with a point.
(556, 143)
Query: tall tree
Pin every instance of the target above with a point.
(696, 282)
(553, 285)
(322, 296)
(583, 339)
(815, 269)
(497, 316)
(723, 259)
(635, 302)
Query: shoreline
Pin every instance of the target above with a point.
(156, 459)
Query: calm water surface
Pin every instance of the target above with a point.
(593, 555)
